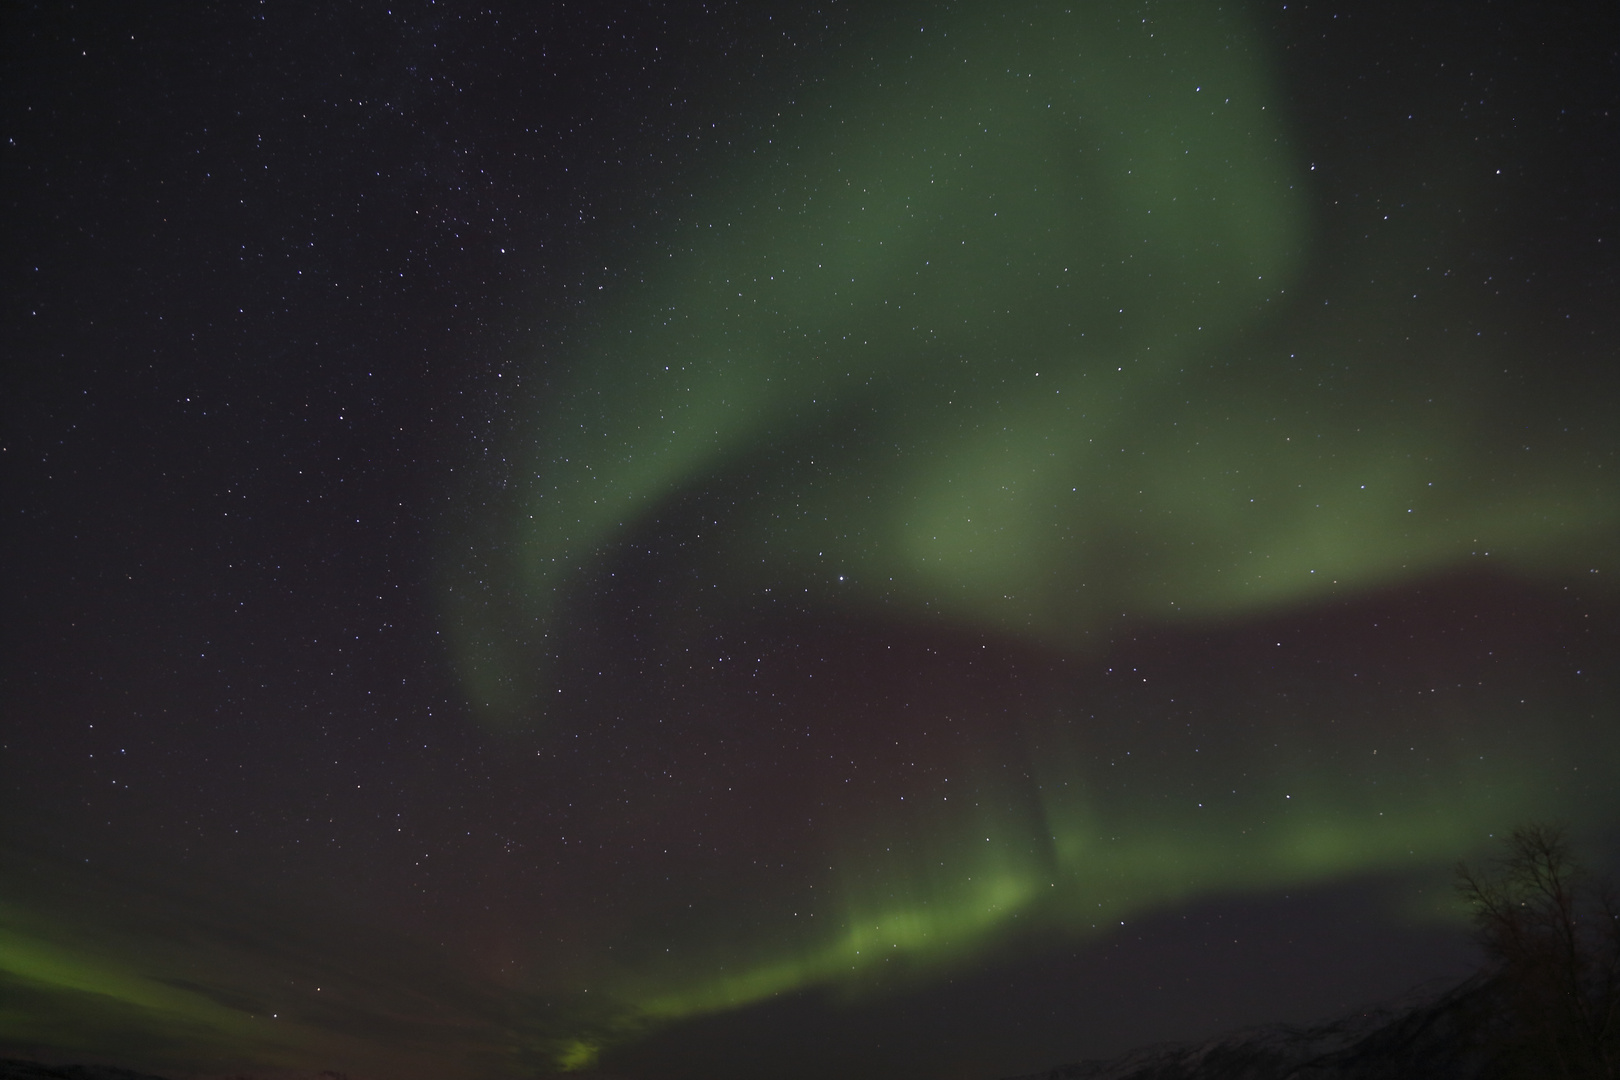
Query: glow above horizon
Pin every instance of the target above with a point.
(1054, 485)
(1013, 333)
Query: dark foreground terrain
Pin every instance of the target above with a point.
(1434, 1032)
(13, 1069)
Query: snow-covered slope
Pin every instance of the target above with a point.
(1433, 1033)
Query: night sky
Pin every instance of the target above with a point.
(715, 540)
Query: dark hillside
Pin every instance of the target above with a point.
(1434, 1033)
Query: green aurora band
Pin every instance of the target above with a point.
(73, 989)
(1014, 330)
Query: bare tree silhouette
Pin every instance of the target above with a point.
(1553, 931)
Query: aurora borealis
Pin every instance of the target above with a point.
(911, 542)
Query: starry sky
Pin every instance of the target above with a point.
(905, 540)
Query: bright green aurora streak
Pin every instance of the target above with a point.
(1009, 329)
